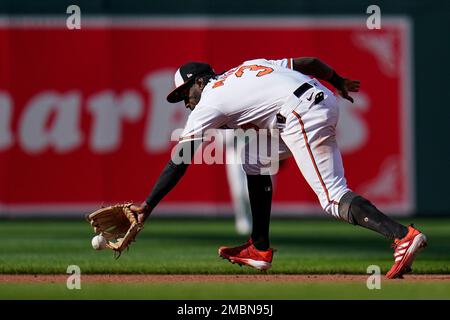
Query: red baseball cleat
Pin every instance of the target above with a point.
(226, 252)
(405, 251)
(248, 255)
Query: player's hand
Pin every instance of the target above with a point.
(349, 86)
(143, 212)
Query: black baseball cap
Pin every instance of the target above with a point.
(185, 76)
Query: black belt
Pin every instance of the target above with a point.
(305, 87)
(302, 89)
(298, 93)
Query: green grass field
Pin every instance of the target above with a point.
(226, 291)
(190, 247)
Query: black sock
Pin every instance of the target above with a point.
(260, 194)
(362, 212)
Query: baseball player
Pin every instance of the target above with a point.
(283, 94)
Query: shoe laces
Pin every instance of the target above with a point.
(236, 250)
(397, 242)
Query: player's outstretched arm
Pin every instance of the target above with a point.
(168, 179)
(320, 70)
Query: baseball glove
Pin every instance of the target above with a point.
(118, 224)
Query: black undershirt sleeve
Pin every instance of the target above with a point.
(172, 173)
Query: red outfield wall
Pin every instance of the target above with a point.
(84, 121)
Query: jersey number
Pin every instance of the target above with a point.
(240, 72)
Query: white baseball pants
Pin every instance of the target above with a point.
(309, 135)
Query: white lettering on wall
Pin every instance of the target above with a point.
(51, 120)
(66, 121)
(108, 113)
(163, 117)
(352, 130)
(6, 110)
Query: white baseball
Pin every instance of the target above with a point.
(98, 242)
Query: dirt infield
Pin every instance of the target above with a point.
(152, 278)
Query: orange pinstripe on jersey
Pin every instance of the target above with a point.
(308, 147)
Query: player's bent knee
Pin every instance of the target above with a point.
(355, 209)
(346, 201)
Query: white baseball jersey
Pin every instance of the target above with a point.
(252, 94)
(248, 96)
